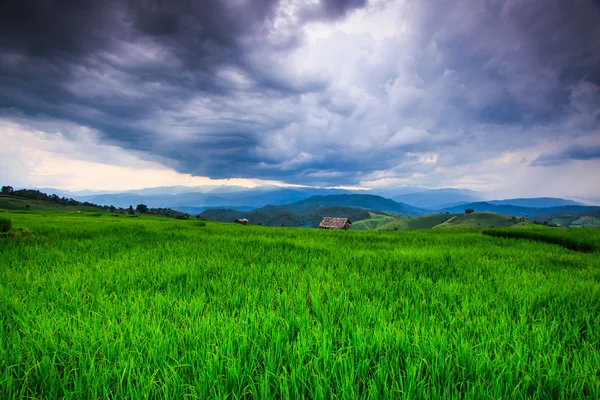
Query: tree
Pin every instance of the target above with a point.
(7, 190)
(141, 208)
(469, 211)
(131, 211)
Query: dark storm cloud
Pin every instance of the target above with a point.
(209, 85)
(567, 155)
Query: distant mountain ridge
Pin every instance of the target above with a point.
(518, 211)
(437, 198)
(405, 200)
(538, 202)
(218, 197)
(364, 201)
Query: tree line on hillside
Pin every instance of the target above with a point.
(53, 198)
(306, 216)
(32, 194)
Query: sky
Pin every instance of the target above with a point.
(489, 95)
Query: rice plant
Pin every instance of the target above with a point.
(148, 307)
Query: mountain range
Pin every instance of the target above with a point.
(197, 199)
(308, 212)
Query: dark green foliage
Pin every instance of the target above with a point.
(546, 236)
(5, 224)
(182, 216)
(20, 233)
(199, 223)
(141, 208)
(469, 211)
(164, 212)
(131, 211)
(7, 190)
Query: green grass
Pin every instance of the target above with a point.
(479, 220)
(148, 307)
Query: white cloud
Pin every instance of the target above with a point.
(33, 157)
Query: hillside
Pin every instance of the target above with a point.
(305, 215)
(21, 204)
(479, 220)
(375, 222)
(364, 201)
(406, 223)
(424, 222)
(17, 203)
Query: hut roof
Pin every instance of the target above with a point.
(241, 220)
(335, 223)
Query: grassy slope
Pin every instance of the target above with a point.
(375, 222)
(16, 203)
(160, 308)
(427, 221)
(587, 221)
(478, 220)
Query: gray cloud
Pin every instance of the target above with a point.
(569, 154)
(212, 88)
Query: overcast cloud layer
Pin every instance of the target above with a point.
(336, 92)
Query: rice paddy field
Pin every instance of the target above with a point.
(98, 306)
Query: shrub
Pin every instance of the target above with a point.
(185, 216)
(21, 233)
(5, 224)
(200, 223)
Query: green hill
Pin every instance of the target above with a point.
(17, 203)
(390, 223)
(375, 222)
(427, 221)
(479, 220)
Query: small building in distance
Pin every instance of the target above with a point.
(241, 221)
(335, 223)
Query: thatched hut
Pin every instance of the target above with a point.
(335, 223)
(241, 221)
